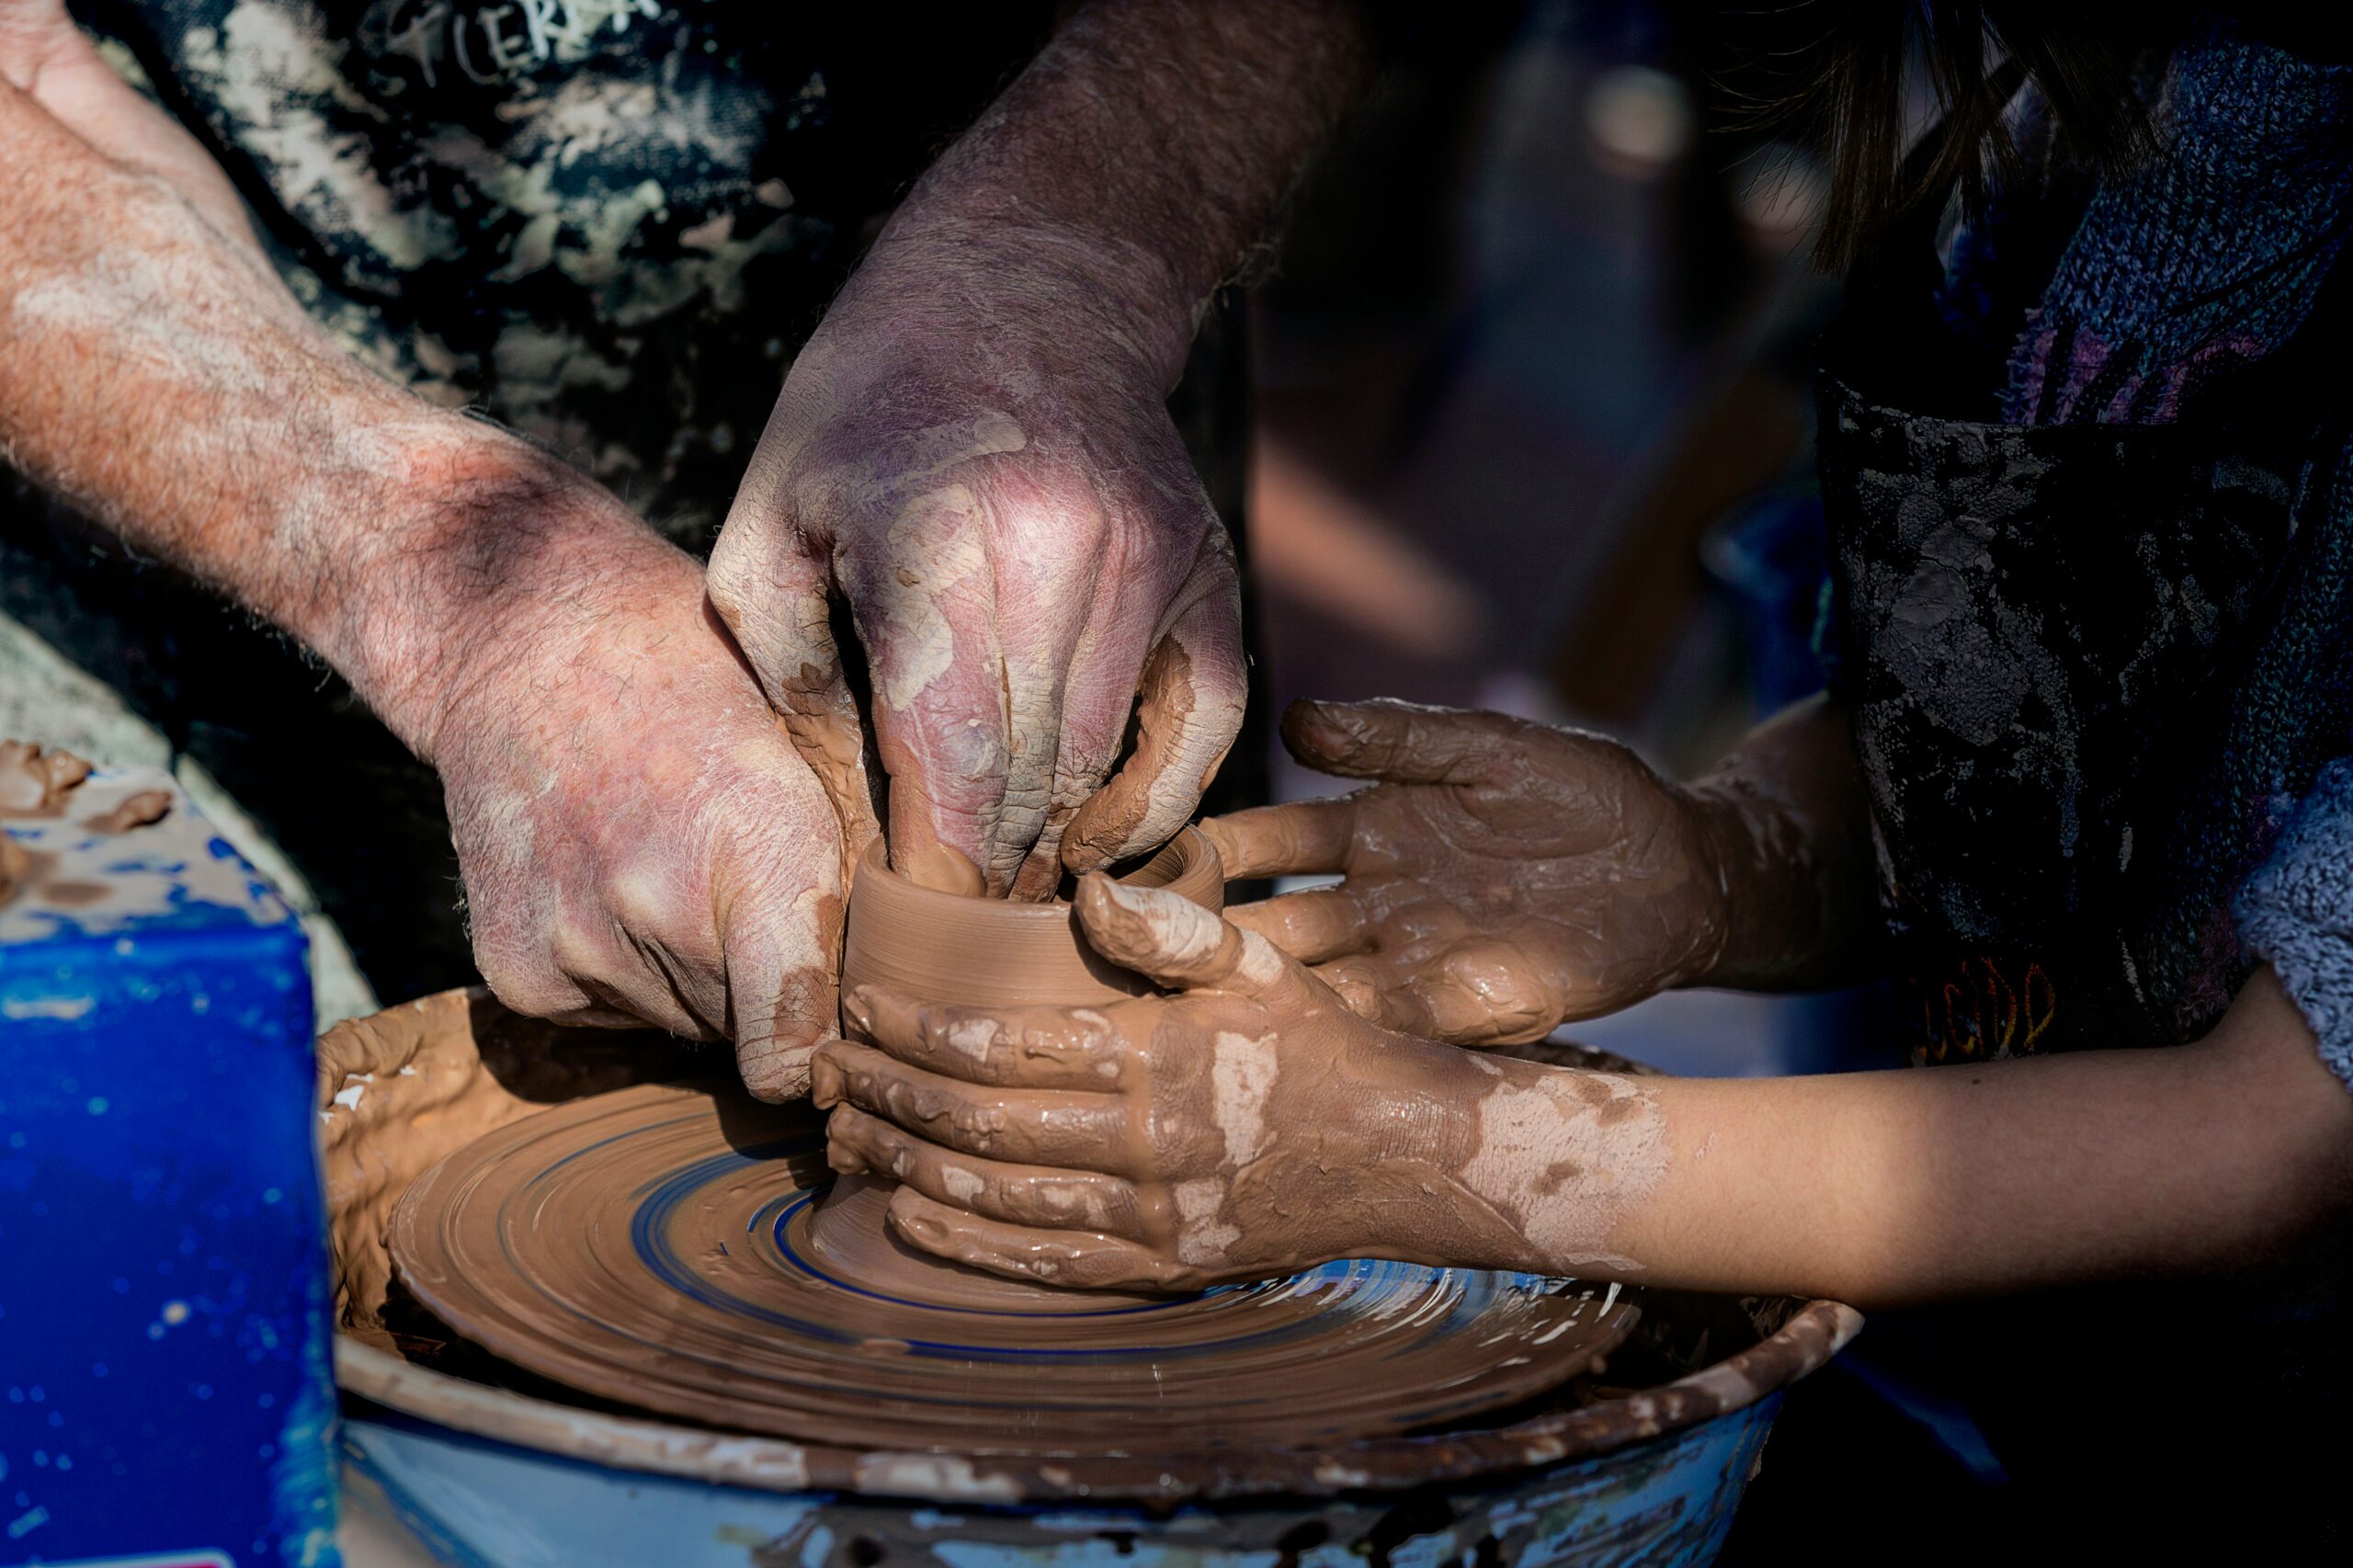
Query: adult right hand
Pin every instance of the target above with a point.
(1500, 877)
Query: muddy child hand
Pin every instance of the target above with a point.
(1501, 876)
(1247, 1125)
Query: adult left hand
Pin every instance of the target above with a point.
(974, 455)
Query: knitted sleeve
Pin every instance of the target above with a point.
(2296, 914)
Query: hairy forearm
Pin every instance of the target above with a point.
(1143, 152)
(1788, 827)
(1882, 1188)
(155, 373)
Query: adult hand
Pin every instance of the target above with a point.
(1248, 1126)
(1501, 876)
(639, 839)
(973, 456)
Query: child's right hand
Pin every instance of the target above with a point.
(1501, 876)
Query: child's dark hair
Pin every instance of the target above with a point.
(1857, 59)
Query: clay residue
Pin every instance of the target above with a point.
(70, 876)
(142, 810)
(35, 783)
(1567, 1156)
(398, 1091)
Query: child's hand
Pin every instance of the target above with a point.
(1248, 1126)
(1502, 877)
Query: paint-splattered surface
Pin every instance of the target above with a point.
(165, 1383)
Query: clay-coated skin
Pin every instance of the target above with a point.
(35, 782)
(973, 455)
(1249, 1125)
(1880, 1188)
(1502, 877)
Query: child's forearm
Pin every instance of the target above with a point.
(1789, 829)
(1882, 1188)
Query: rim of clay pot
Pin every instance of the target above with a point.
(1187, 864)
(938, 946)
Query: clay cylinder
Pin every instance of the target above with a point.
(991, 952)
(983, 952)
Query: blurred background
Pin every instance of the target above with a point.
(1534, 422)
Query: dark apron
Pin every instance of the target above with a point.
(2089, 668)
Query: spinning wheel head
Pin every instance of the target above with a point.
(655, 1246)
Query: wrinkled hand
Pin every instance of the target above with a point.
(1501, 876)
(638, 837)
(1249, 1126)
(973, 456)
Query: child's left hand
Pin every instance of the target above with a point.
(1249, 1125)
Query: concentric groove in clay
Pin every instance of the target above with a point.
(641, 1245)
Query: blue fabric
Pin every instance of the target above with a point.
(2296, 914)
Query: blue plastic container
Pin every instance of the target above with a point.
(165, 1389)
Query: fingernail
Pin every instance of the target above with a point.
(859, 1008)
(844, 1161)
(825, 1084)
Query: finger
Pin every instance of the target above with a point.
(580, 961)
(1478, 993)
(927, 613)
(1402, 743)
(1187, 712)
(1045, 1048)
(1176, 943)
(1302, 838)
(772, 587)
(1312, 927)
(1070, 677)
(1075, 1259)
(779, 903)
(1035, 1126)
(860, 1144)
(1362, 983)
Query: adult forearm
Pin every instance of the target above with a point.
(1788, 832)
(154, 373)
(1146, 149)
(1883, 1189)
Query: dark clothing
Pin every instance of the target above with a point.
(607, 223)
(2094, 533)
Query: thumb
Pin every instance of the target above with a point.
(1176, 944)
(1188, 710)
(1401, 743)
(783, 949)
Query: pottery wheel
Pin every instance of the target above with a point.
(655, 1246)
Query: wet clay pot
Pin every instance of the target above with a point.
(991, 952)
(988, 952)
